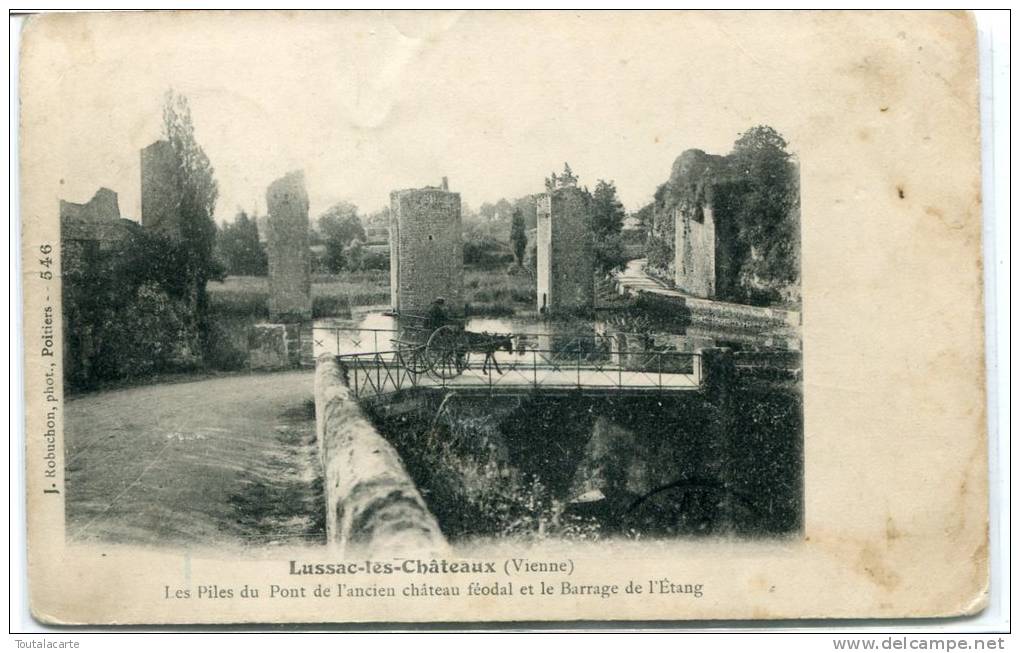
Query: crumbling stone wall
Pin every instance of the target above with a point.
(86, 231)
(695, 250)
(290, 282)
(426, 252)
(565, 260)
(90, 227)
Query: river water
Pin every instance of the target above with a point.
(374, 330)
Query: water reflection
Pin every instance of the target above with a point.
(602, 339)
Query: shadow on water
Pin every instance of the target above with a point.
(281, 500)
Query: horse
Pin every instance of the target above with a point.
(488, 344)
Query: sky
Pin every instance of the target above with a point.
(366, 103)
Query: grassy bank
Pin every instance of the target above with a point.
(332, 295)
(496, 293)
(488, 291)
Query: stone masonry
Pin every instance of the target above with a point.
(426, 254)
(91, 227)
(159, 195)
(564, 252)
(695, 251)
(290, 283)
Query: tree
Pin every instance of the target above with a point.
(607, 215)
(354, 255)
(377, 225)
(239, 247)
(568, 178)
(196, 194)
(518, 236)
(503, 209)
(485, 251)
(130, 308)
(487, 211)
(763, 201)
(528, 206)
(467, 214)
(338, 227)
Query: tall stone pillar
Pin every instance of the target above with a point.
(719, 376)
(694, 248)
(426, 252)
(565, 274)
(290, 283)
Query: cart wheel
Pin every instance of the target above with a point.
(413, 357)
(445, 352)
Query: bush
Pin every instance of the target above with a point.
(239, 248)
(227, 342)
(375, 261)
(330, 306)
(148, 333)
(486, 251)
(483, 496)
(659, 252)
(129, 309)
(609, 253)
(239, 302)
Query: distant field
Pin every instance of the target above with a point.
(331, 294)
(494, 292)
(487, 291)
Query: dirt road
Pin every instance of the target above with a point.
(227, 460)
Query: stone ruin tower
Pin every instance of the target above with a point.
(159, 192)
(290, 283)
(426, 253)
(695, 250)
(566, 261)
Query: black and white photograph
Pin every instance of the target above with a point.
(549, 365)
(365, 297)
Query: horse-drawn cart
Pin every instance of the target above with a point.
(446, 351)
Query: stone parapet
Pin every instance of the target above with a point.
(372, 505)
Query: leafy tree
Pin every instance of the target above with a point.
(354, 255)
(754, 193)
(467, 214)
(338, 227)
(528, 206)
(196, 193)
(568, 178)
(659, 252)
(607, 215)
(503, 209)
(609, 253)
(130, 309)
(487, 211)
(518, 236)
(485, 251)
(239, 247)
(763, 201)
(377, 224)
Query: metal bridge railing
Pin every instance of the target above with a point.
(378, 374)
(356, 340)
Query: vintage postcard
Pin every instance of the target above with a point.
(404, 317)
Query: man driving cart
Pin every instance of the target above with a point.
(437, 315)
